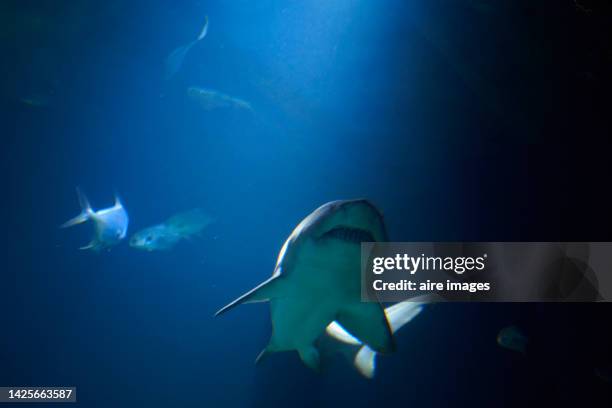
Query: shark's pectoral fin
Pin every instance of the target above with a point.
(368, 323)
(261, 293)
(310, 357)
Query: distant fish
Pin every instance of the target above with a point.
(512, 338)
(35, 100)
(110, 224)
(210, 99)
(165, 236)
(174, 61)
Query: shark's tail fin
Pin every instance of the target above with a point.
(86, 211)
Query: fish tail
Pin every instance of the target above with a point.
(118, 202)
(204, 30)
(86, 211)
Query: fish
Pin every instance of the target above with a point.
(209, 99)
(164, 236)
(35, 100)
(110, 224)
(317, 280)
(512, 338)
(155, 238)
(174, 61)
(398, 315)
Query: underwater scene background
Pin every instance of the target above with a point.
(460, 120)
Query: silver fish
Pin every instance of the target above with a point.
(110, 224)
(512, 338)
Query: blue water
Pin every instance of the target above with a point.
(447, 116)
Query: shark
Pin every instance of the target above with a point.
(317, 280)
(110, 223)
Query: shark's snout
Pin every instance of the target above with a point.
(351, 221)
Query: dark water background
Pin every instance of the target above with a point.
(461, 120)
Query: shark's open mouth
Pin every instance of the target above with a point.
(348, 234)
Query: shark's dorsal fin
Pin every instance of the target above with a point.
(368, 323)
(261, 293)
